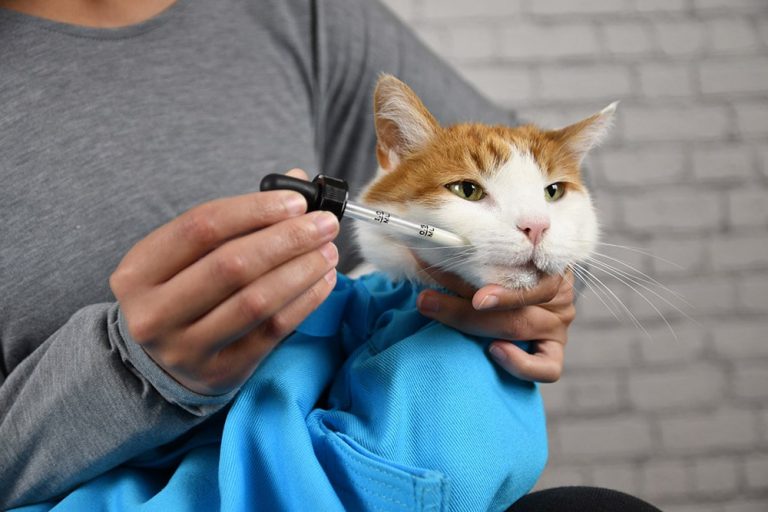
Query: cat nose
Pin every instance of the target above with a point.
(533, 228)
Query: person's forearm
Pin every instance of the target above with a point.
(77, 406)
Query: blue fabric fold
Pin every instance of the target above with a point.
(367, 406)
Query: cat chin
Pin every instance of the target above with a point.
(525, 280)
(515, 277)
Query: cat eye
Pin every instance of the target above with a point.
(554, 191)
(467, 190)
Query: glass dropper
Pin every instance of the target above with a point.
(331, 194)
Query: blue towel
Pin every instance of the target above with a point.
(367, 406)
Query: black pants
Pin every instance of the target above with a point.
(580, 499)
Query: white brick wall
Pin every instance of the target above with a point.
(752, 293)
(715, 476)
(664, 79)
(740, 339)
(568, 7)
(601, 83)
(548, 41)
(680, 38)
(752, 118)
(723, 430)
(725, 163)
(650, 166)
(587, 439)
(665, 122)
(748, 207)
(733, 35)
(703, 384)
(673, 209)
(717, 76)
(666, 479)
(627, 38)
(680, 420)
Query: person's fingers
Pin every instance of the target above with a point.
(285, 321)
(298, 173)
(497, 297)
(260, 301)
(544, 365)
(179, 243)
(249, 350)
(208, 282)
(526, 323)
(205, 284)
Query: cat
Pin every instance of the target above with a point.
(516, 194)
(371, 405)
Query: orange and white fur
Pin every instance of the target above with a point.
(515, 193)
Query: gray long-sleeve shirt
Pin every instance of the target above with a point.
(106, 134)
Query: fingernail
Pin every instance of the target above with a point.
(330, 253)
(297, 173)
(429, 304)
(488, 302)
(497, 353)
(326, 223)
(330, 277)
(295, 204)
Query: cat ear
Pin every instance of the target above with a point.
(580, 137)
(403, 124)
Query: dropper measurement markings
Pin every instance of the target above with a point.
(425, 231)
(330, 194)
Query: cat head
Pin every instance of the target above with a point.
(515, 193)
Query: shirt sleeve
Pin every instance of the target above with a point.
(87, 377)
(355, 42)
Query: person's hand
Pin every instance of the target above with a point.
(541, 315)
(211, 293)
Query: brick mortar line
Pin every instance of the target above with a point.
(754, 22)
(702, 498)
(697, 16)
(570, 19)
(700, 184)
(705, 100)
(655, 323)
(685, 102)
(709, 100)
(658, 414)
(607, 58)
(655, 455)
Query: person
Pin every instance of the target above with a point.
(142, 283)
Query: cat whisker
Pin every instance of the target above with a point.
(645, 277)
(623, 305)
(633, 249)
(425, 276)
(439, 247)
(629, 283)
(445, 265)
(587, 280)
(623, 277)
(446, 248)
(644, 252)
(462, 256)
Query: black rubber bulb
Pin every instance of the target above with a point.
(322, 193)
